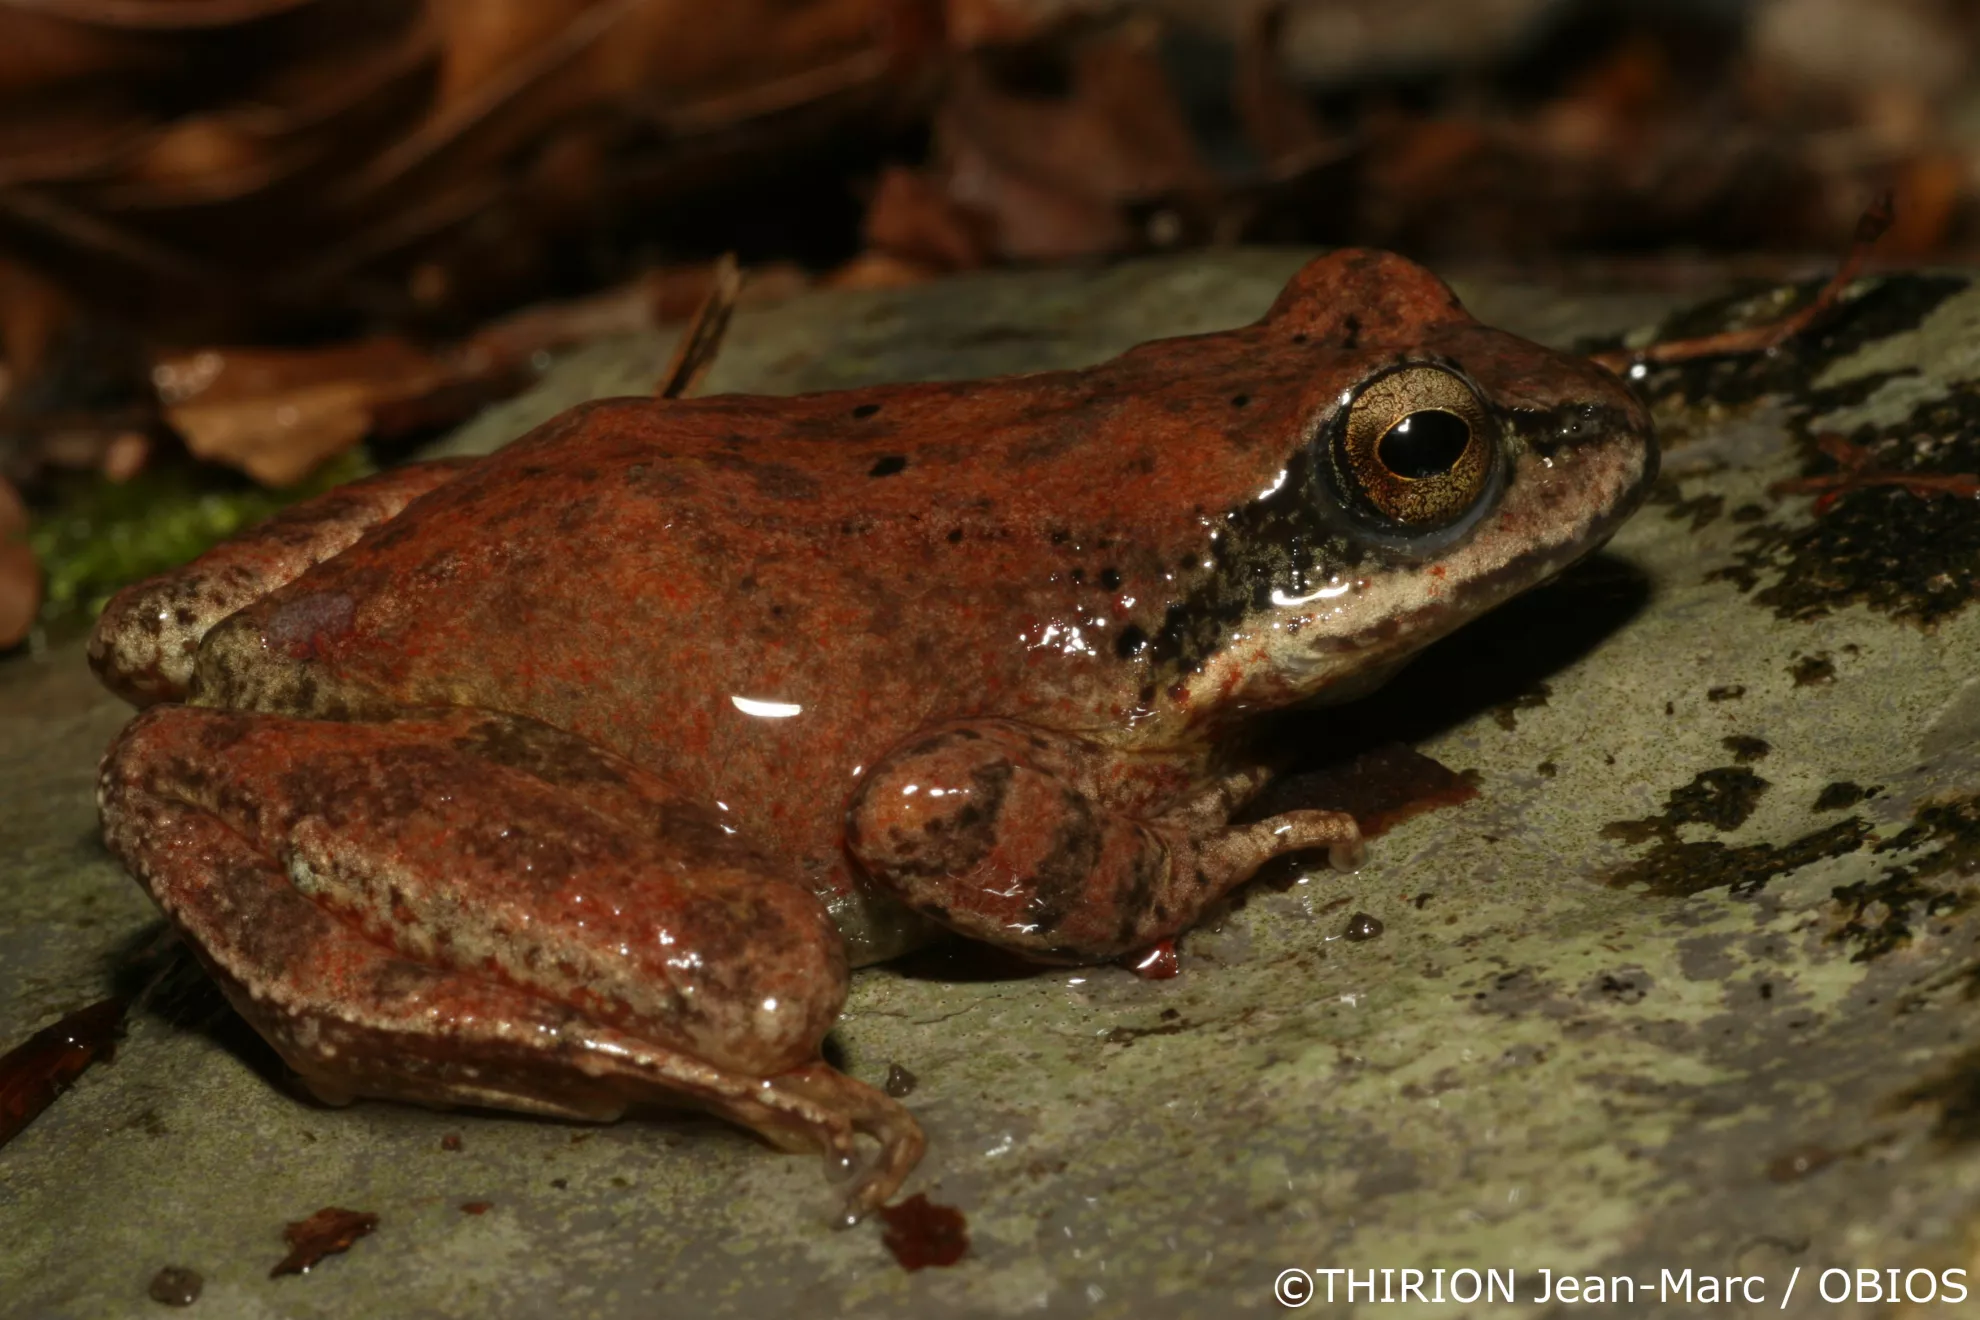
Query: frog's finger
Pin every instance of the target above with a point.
(994, 830)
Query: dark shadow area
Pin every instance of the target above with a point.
(1499, 663)
(157, 973)
(955, 960)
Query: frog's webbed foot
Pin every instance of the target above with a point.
(144, 643)
(460, 908)
(1006, 834)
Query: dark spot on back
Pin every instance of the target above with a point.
(887, 465)
(866, 410)
(1110, 578)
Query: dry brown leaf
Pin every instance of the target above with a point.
(20, 576)
(277, 414)
(39, 1069)
(209, 175)
(333, 95)
(480, 39)
(880, 270)
(125, 456)
(157, 14)
(1118, 133)
(913, 217)
(659, 58)
(328, 1232)
(39, 51)
(33, 313)
(1054, 174)
(972, 23)
(1032, 219)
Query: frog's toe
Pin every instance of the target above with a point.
(874, 1114)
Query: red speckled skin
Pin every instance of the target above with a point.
(1064, 600)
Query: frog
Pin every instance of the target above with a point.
(578, 777)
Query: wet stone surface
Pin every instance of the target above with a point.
(1689, 983)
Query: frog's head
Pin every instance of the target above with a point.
(1433, 468)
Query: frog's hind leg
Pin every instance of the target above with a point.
(144, 643)
(427, 910)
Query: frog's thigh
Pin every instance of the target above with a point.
(144, 644)
(996, 830)
(199, 805)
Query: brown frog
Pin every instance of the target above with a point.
(538, 782)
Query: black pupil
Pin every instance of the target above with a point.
(1424, 444)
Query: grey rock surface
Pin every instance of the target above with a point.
(1663, 997)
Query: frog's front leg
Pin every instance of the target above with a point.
(460, 907)
(1020, 837)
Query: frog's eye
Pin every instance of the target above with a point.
(1415, 447)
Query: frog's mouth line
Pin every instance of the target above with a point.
(1485, 588)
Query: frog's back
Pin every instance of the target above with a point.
(733, 589)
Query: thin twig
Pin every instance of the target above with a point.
(1857, 469)
(44, 211)
(794, 91)
(166, 15)
(702, 339)
(1870, 227)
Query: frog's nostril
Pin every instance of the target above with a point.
(1427, 443)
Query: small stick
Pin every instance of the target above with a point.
(1856, 469)
(702, 339)
(1870, 227)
